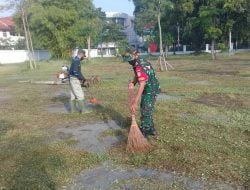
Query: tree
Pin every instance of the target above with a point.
(235, 9)
(209, 20)
(152, 12)
(168, 40)
(21, 6)
(60, 26)
(91, 27)
(112, 32)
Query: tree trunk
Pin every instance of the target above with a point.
(89, 47)
(160, 33)
(174, 48)
(166, 51)
(27, 39)
(101, 50)
(31, 43)
(213, 50)
(230, 42)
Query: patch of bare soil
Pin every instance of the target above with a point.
(88, 136)
(109, 176)
(224, 100)
(212, 72)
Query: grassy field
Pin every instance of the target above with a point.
(204, 131)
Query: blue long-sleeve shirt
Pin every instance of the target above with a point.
(75, 68)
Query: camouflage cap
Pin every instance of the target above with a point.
(128, 56)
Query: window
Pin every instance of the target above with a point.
(112, 51)
(120, 21)
(4, 34)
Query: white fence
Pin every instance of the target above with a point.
(20, 56)
(94, 53)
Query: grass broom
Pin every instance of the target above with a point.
(136, 141)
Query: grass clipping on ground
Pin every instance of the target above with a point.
(205, 133)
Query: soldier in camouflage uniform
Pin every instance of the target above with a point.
(148, 91)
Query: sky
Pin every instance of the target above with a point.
(124, 6)
(4, 13)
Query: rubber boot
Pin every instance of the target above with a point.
(72, 104)
(83, 107)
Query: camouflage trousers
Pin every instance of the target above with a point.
(147, 110)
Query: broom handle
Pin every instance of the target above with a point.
(131, 99)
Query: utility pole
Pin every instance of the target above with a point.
(178, 32)
(230, 42)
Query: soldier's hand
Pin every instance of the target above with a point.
(133, 107)
(131, 85)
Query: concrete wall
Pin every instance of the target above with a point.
(93, 53)
(20, 56)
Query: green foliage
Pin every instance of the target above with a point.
(112, 32)
(199, 21)
(213, 33)
(60, 26)
(221, 46)
(168, 39)
(20, 44)
(147, 11)
(148, 39)
(122, 46)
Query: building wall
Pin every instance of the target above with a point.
(94, 53)
(129, 29)
(20, 56)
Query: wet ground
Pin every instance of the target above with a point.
(110, 176)
(89, 137)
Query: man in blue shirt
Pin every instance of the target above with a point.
(76, 79)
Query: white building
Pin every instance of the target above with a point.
(8, 36)
(127, 24)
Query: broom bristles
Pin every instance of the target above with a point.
(136, 141)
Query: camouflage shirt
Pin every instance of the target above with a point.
(145, 72)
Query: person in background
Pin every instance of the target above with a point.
(76, 80)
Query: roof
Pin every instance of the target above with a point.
(7, 24)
